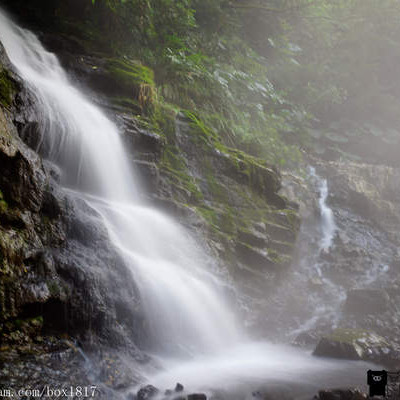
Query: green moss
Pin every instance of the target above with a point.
(202, 132)
(6, 88)
(129, 103)
(255, 172)
(279, 258)
(163, 119)
(133, 79)
(216, 189)
(3, 203)
(286, 218)
(222, 221)
(129, 72)
(209, 215)
(54, 288)
(349, 335)
(178, 172)
(227, 221)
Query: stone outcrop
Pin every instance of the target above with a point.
(341, 394)
(353, 344)
(371, 191)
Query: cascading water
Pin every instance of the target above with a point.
(327, 224)
(324, 303)
(175, 287)
(179, 290)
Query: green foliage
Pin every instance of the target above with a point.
(341, 71)
(201, 63)
(269, 76)
(130, 73)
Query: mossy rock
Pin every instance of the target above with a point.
(128, 83)
(176, 169)
(353, 344)
(3, 204)
(7, 88)
(199, 129)
(281, 233)
(256, 258)
(12, 245)
(244, 168)
(132, 79)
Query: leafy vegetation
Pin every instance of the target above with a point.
(267, 76)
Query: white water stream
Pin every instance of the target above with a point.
(180, 292)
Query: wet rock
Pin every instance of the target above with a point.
(260, 227)
(179, 387)
(279, 232)
(147, 393)
(353, 344)
(341, 394)
(143, 143)
(197, 396)
(337, 349)
(367, 301)
(254, 257)
(253, 238)
(369, 190)
(22, 179)
(149, 175)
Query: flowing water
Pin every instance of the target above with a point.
(177, 281)
(327, 224)
(326, 298)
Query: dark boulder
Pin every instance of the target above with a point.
(179, 387)
(147, 392)
(197, 396)
(355, 344)
(340, 394)
(328, 347)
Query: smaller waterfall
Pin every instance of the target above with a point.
(327, 220)
(328, 226)
(311, 276)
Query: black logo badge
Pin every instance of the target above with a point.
(377, 381)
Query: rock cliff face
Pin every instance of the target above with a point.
(355, 283)
(365, 257)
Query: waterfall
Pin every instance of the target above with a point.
(327, 223)
(183, 307)
(327, 220)
(179, 288)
